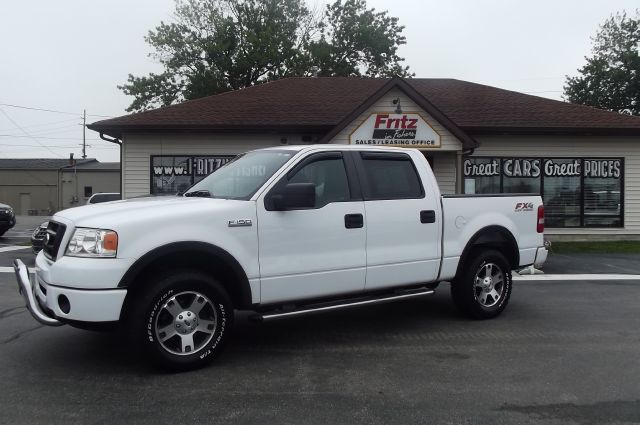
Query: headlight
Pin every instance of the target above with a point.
(93, 243)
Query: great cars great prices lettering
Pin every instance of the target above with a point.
(533, 167)
(521, 167)
(602, 168)
(561, 169)
(481, 170)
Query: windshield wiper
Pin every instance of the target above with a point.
(199, 193)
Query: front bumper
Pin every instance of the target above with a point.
(6, 225)
(25, 287)
(54, 305)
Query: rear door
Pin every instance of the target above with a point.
(402, 221)
(319, 251)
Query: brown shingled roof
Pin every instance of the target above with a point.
(319, 104)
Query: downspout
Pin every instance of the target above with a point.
(119, 143)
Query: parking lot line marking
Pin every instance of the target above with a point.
(13, 248)
(4, 269)
(591, 276)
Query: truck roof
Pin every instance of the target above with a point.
(333, 147)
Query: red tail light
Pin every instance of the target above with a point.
(540, 226)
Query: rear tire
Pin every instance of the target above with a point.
(182, 321)
(483, 289)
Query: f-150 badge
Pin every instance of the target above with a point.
(240, 223)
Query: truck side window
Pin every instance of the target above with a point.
(329, 177)
(390, 176)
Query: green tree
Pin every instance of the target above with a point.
(611, 77)
(219, 45)
(356, 41)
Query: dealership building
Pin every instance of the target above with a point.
(585, 162)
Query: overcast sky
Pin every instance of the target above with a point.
(68, 55)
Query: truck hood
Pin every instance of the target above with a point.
(110, 214)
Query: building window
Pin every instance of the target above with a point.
(521, 175)
(562, 193)
(173, 174)
(88, 191)
(482, 175)
(577, 192)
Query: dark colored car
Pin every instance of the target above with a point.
(37, 237)
(7, 218)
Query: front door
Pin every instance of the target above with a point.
(319, 251)
(25, 203)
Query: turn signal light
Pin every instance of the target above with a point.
(111, 241)
(540, 226)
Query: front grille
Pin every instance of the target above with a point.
(42, 231)
(53, 239)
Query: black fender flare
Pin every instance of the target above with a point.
(129, 279)
(488, 235)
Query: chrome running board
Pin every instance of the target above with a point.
(344, 303)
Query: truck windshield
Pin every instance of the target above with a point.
(242, 177)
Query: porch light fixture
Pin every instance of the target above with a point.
(396, 102)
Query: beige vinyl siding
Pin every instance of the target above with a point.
(574, 147)
(385, 105)
(138, 149)
(444, 168)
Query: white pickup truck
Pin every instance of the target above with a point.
(281, 232)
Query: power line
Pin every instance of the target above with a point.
(46, 124)
(51, 131)
(47, 138)
(53, 110)
(58, 146)
(25, 132)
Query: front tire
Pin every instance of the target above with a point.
(182, 321)
(484, 287)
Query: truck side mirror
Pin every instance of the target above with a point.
(295, 196)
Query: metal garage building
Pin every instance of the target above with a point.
(585, 162)
(42, 186)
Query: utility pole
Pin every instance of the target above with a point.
(84, 136)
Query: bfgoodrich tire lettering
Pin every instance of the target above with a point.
(181, 321)
(484, 288)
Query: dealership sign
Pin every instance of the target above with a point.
(407, 130)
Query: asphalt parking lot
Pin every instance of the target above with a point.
(563, 352)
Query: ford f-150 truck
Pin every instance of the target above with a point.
(281, 232)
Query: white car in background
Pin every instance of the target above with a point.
(98, 198)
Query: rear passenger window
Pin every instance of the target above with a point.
(390, 176)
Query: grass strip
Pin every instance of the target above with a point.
(610, 247)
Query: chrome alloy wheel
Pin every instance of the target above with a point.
(186, 323)
(488, 284)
